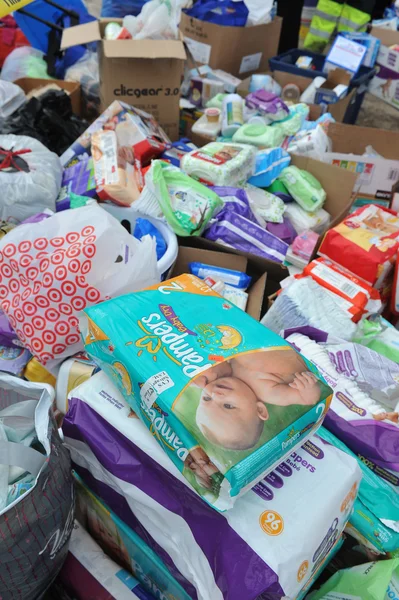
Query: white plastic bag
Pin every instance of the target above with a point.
(54, 269)
(259, 11)
(158, 20)
(32, 181)
(11, 98)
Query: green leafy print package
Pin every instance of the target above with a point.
(371, 581)
(171, 195)
(226, 398)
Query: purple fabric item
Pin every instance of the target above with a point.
(237, 232)
(284, 231)
(235, 200)
(8, 337)
(239, 572)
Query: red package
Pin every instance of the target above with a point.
(117, 171)
(363, 297)
(365, 243)
(11, 37)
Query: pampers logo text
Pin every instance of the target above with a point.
(164, 431)
(176, 346)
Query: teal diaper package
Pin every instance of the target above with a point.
(375, 517)
(226, 398)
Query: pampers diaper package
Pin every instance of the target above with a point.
(374, 521)
(271, 544)
(225, 398)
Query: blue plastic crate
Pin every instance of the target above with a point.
(286, 63)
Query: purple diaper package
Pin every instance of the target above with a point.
(364, 412)
(8, 337)
(268, 104)
(13, 360)
(235, 231)
(254, 550)
(284, 231)
(235, 200)
(78, 179)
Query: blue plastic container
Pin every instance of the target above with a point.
(286, 63)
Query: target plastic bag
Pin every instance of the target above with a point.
(53, 269)
(30, 177)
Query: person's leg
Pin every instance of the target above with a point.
(291, 12)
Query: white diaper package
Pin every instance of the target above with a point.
(364, 411)
(220, 163)
(306, 303)
(302, 220)
(265, 546)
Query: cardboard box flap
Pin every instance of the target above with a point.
(350, 139)
(386, 36)
(144, 49)
(340, 195)
(80, 34)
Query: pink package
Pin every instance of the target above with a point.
(304, 244)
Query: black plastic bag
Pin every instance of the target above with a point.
(48, 119)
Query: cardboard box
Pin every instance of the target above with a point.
(385, 84)
(227, 260)
(335, 78)
(376, 175)
(71, 87)
(239, 51)
(144, 73)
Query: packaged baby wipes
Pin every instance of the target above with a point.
(364, 412)
(219, 163)
(271, 544)
(224, 397)
(304, 188)
(171, 195)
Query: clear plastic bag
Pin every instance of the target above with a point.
(24, 62)
(11, 98)
(86, 72)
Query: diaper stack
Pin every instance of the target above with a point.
(199, 345)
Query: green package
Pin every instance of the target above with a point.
(379, 335)
(371, 581)
(186, 204)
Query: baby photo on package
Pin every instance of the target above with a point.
(225, 397)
